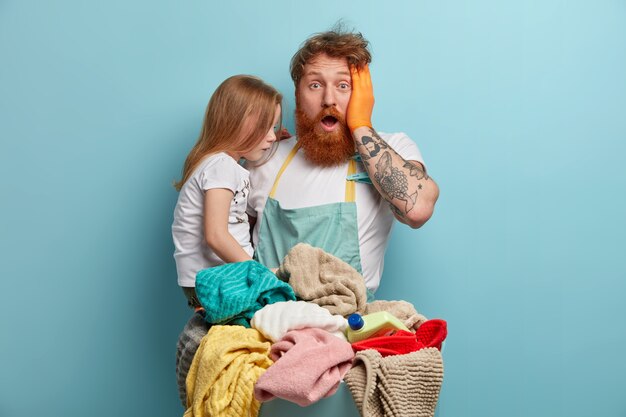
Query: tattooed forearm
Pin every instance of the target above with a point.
(398, 180)
(394, 182)
(397, 211)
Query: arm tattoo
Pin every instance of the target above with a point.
(417, 171)
(397, 211)
(373, 145)
(394, 182)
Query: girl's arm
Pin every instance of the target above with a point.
(216, 209)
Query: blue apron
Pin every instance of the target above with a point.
(331, 227)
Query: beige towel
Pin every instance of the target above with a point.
(398, 385)
(403, 310)
(323, 279)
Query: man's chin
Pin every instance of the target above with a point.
(326, 149)
(321, 147)
(328, 138)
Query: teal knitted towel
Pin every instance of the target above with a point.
(232, 293)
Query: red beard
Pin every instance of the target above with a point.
(320, 147)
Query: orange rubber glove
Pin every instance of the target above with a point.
(361, 103)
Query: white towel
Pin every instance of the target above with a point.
(275, 320)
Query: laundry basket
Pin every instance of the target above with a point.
(340, 404)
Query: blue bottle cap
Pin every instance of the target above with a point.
(355, 321)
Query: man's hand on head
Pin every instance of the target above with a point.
(361, 105)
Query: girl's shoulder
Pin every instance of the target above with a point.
(220, 157)
(219, 161)
(220, 171)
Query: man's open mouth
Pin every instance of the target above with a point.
(329, 123)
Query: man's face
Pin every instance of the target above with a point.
(322, 98)
(325, 82)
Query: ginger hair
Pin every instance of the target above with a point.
(336, 43)
(237, 118)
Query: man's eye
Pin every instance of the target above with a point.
(314, 85)
(344, 86)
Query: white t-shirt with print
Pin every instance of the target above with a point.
(191, 251)
(305, 185)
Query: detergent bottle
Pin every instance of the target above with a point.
(371, 325)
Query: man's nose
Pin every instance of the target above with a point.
(329, 99)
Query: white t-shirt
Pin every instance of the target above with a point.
(191, 251)
(305, 185)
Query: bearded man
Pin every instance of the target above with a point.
(339, 184)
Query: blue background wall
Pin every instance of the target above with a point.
(518, 107)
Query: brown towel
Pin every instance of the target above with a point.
(398, 385)
(323, 279)
(403, 310)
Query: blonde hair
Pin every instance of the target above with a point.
(237, 118)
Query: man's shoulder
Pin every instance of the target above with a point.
(284, 147)
(395, 136)
(282, 151)
(404, 145)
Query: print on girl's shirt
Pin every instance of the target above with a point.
(243, 193)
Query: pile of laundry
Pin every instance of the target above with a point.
(262, 335)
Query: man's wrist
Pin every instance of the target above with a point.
(361, 130)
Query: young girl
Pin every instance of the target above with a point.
(210, 222)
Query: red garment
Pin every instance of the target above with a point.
(430, 334)
(399, 343)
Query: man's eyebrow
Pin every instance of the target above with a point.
(313, 72)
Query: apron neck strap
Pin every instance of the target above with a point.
(350, 194)
(350, 185)
(282, 168)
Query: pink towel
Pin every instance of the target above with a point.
(308, 366)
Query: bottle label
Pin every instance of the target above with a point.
(384, 332)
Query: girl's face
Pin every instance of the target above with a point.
(266, 142)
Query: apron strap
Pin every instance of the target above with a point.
(282, 168)
(350, 187)
(350, 194)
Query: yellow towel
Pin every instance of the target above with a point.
(223, 372)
